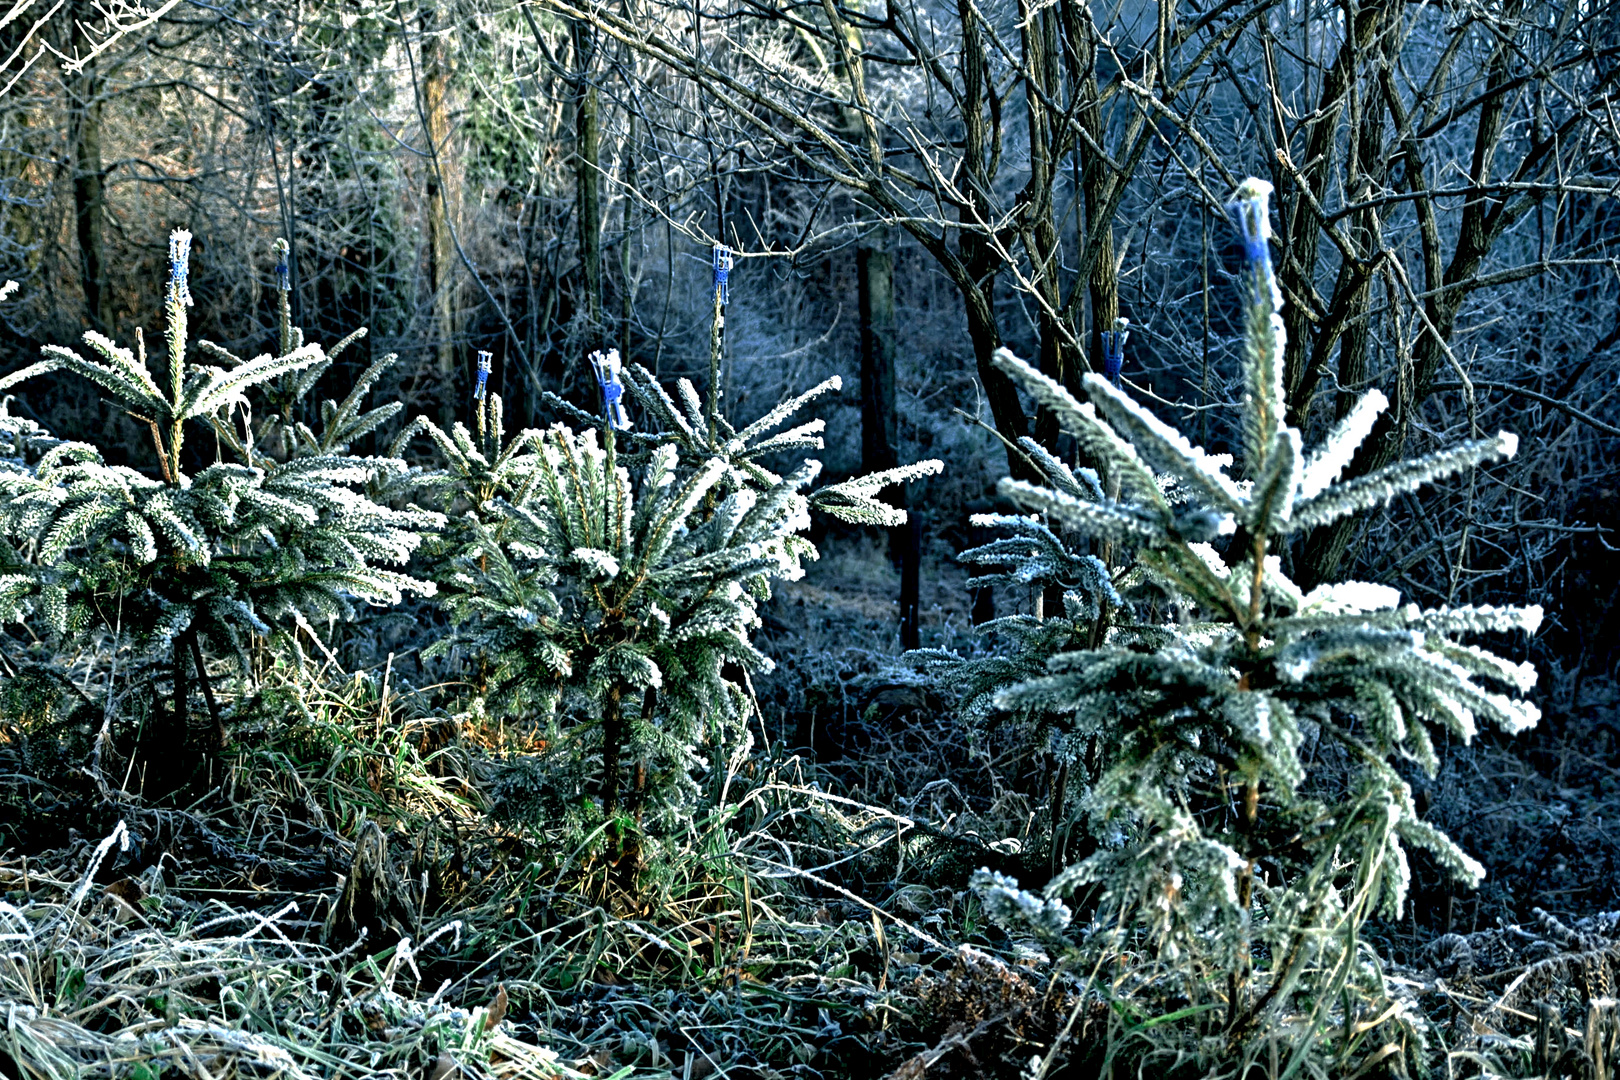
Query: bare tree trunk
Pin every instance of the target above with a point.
(1303, 190)
(1058, 356)
(89, 186)
(587, 178)
(875, 267)
(1446, 285)
(1097, 182)
(178, 735)
(879, 434)
(443, 195)
(220, 736)
(612, 745)
(910, 583)
(976, 250)
(627, 300)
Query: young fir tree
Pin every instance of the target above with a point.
(171, 561)
(612, 584)
(1246, 814)
(1031, 557)
(480, 465)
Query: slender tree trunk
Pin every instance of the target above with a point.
(1444, 293)
(89, 188)
(612, 744)
(1301, 234)
(220, 735)
(879, 435)
(587, 178)
(879, 442)
(910, 582)
(1097, 182)
(975, 248)
(443, 195)
(179, 735)
(626, 290)
(1058, 359)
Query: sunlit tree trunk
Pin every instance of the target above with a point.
(443, 196)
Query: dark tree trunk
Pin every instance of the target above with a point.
(587, 179)
(879, 443)
(910, 575)
(879, 437)
(612, 744)
(179, 722)
(441, 199)
(219, 737)
(89, 188)
(976, 252)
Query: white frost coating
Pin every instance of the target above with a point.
(1013, 909)
(597, 561)
(1350, 598)
(1211, 559)
(1197, 466)
(1329, 460)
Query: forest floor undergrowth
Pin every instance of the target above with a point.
(338, 894)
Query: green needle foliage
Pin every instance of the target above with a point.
(246, 546)
(1247, 813)
(1028, 555)
(480, 465)
(612, 593)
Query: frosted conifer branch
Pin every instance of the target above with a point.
(856, 500)
(1116, 455)
(1164, 446)
(40, 367)
(781, 412)
(1080, 483)
(1266, 340)
(1330, 459)
(1115, 522)
(1375, 489)
(180, 267)
(1017, 911)
(1271, 502)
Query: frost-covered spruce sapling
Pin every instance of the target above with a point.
(242, 546)
(480, 465)
(1247, 791)
(1029, 555)
(289, 431)
(615, 596)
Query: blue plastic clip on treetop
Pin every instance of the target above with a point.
(1114, 349)
(180, 266)
(283, 274)
(723, 262)
(607, 367)
(485, 365)
(1252, 208)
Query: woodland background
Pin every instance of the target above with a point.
(907, 186)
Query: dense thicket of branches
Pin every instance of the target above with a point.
(545, 179)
